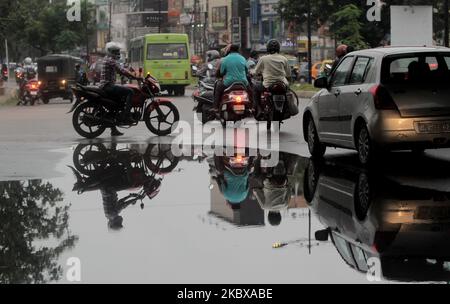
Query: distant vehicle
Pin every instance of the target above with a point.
(398, 214)
(167, 57)
(382, 99)
(56, 74)
(319, 67)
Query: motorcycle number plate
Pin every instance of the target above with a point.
(34, 93)
(239, 107)
(278, 98)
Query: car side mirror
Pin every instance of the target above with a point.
(321, 83)
(322, 235)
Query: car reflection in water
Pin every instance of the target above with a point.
(398, 214)
(243, 189)
(111, 170)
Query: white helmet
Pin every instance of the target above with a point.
(113, 49)
(28, 61)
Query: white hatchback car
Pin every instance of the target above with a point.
(395, 98)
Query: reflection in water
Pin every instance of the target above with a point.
(244, 189)
(111, 170)
(398, 214)
(30, 213)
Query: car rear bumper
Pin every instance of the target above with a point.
(389, 129)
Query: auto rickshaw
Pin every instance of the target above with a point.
(56, 73)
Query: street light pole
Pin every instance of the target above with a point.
(309, 42)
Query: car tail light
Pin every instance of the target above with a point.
(382, 98)
(238, 96)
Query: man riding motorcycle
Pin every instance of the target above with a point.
(28, 73)
(233, 69)
(110, 67)
(274, 68)
(212, 58)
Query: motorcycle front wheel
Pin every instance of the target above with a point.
(160, 118)
(84, 120)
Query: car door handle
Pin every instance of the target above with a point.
(358, 92)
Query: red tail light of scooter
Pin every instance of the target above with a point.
(238, 97)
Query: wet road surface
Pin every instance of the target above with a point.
(206, 218)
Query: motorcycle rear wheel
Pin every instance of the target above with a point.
(162, 114)
(88, 108)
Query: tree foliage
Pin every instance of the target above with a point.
(41, 27)
(30, 214)
(348, 20)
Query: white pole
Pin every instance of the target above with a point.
(7, 54)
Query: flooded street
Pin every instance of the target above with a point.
(216, 219)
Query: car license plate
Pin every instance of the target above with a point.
(434, 127)
(432, 213)
(278, 98)
(239, 108)
(34, 93)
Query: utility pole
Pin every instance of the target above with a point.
(309, 42)
(160, 17)
(110, 21)
(86, 17)
(6, 50)
(446, 22)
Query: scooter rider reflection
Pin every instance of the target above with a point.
(273, 189)
(232, 176)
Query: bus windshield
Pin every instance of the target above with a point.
(167, 51)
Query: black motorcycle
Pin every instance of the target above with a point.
(278, 103)
(203, 94)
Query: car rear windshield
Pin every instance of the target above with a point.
(167, 51)
(416, 69)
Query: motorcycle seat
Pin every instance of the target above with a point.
(94, 89)
(278, 88)
(236, 86)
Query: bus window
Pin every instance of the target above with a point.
(167, 51)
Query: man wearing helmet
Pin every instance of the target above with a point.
(108, 79)
(233, 69)
(341, 51)
(29, 73)
(213, 58)
(273, 67)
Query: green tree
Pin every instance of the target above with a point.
(30, 213)
(346, 26)
(43, 26)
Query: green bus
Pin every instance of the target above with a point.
(164, 56)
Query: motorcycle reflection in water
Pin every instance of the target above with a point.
(247, 189)
(110, 170)
(392, 222)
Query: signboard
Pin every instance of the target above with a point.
(220, 18)
(269, 7)
(411, 25)
(236, 31)
(155, 5)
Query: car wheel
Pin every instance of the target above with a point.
(362, 197)
(367, 152)
(316, 148)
